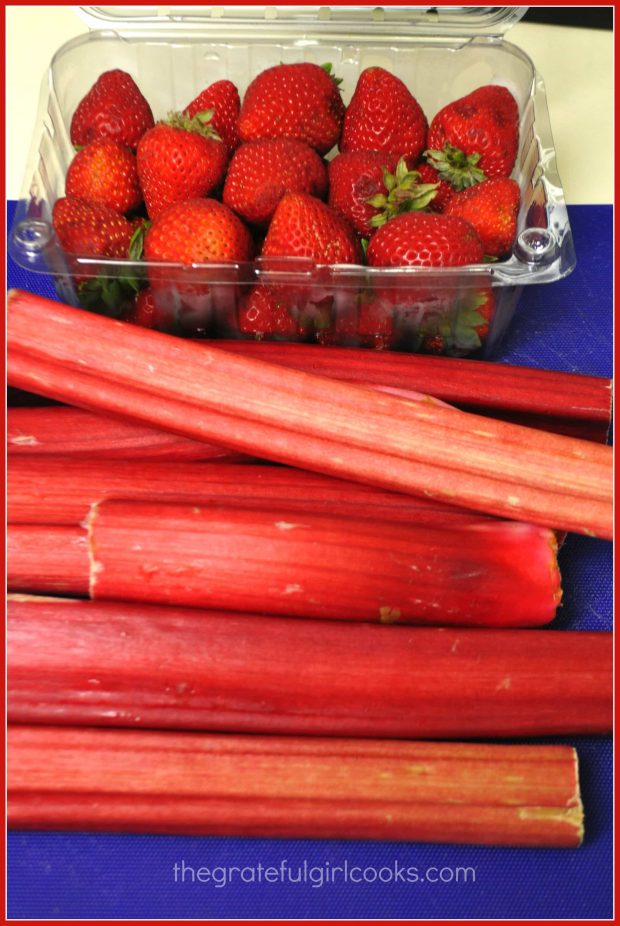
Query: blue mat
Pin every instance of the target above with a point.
(565, 326)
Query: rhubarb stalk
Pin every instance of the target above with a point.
(300, 564)
(45, 430)
(52, 489)
(128, 665)
(208, 784)
(567, 403)
(312, 421)
(48, 559)
(314, 565)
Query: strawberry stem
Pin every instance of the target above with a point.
(198, 124)
(455, 166)
(404, 194)
(328, 70)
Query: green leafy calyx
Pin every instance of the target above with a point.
(404, 193)
(199, 124)
(453, 165)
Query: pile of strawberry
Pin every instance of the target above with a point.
(227, 181)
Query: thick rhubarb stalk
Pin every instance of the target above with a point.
(48, 559)
(118, 664)
(58, 430)
(567, 403)
(69, 778)
(60, 490)
(317, 423)
(283, 562)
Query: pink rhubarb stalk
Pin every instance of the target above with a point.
(314, 422)
(130, 665)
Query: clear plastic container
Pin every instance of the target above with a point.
(440, 53)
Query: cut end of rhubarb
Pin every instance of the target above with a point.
(554, 568)
(576, 812)
(95, 566)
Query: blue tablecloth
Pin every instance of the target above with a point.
(565, 326)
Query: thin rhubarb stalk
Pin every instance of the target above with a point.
(52, 489)
(323, 455)
(47, 559)
(488, 465)
(313, 565)
(211, 364)
(74, 432)
(127, 665)
(474, 385)
(69, 778)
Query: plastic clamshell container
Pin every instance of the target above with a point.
(441, 54)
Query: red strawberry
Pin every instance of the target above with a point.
(376, 322)
(293, 101)
(263, 314)
(92, 229)
(486, 123)
(179, 160)
(368, 188)
(113, 108)
(222, 98)
(144, 312)
(105, 172)
(195, 231)
(419, 239)
(445, 190)
(354, 178)
(198, 231)
(261, 172)
(384, 116)
(303, 226)
(492, 208)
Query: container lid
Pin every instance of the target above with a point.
(421, 20)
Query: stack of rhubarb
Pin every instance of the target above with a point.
(219, 601)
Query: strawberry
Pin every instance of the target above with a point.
(368, 193)
(91, 229)
(144, 312)
(87, 229)
(222, 100)
(492, 208)
(293, 101)
(179, 160)
(419, 239)
(445, 190)
(483, 123)
(376, 322)
(198, 231)
(113, 108)
(384, 116)
(261, 172)
(195, 231)
(263, 314)
(303, 226)
(354, 178)
(105, 172)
